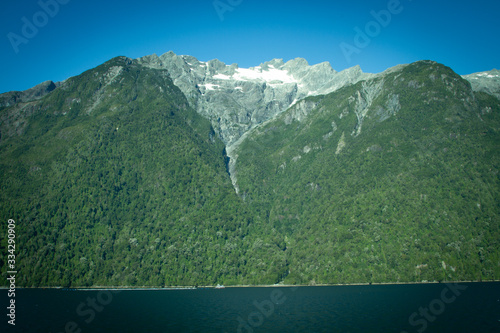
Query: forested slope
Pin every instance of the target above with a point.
(114, 180)
(391, 179)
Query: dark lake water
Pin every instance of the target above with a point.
(469, 307)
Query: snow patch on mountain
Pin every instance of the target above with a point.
(237, 99)
(488, 82)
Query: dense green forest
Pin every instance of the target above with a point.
(407, 192)
(114, 180)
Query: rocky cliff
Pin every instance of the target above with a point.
(237, 99)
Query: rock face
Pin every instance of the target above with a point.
(488, 82)
(237, 99)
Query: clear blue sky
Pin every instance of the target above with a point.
(82, 34)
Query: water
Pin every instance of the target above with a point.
(472, 307)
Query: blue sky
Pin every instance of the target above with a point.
(76, 35)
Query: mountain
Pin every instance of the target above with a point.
(236, 99)
(488, 82)
(391, 179)
(114, 180)
(165, 171)
(37, 92)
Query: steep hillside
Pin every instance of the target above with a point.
(391, 179)
(114, 180)
(126, 175)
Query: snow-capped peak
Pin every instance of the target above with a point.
(236, 99)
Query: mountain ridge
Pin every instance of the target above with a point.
(250, 96)
(115, 180)
(360, 170)
(231, 124)
(119, 177)
(235, 100)
(488, 82)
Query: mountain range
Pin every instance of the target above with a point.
(166, 170)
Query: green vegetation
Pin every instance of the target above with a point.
(410, 197)
(129, 191)
(114, 180)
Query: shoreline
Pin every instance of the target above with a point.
(149, 288)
